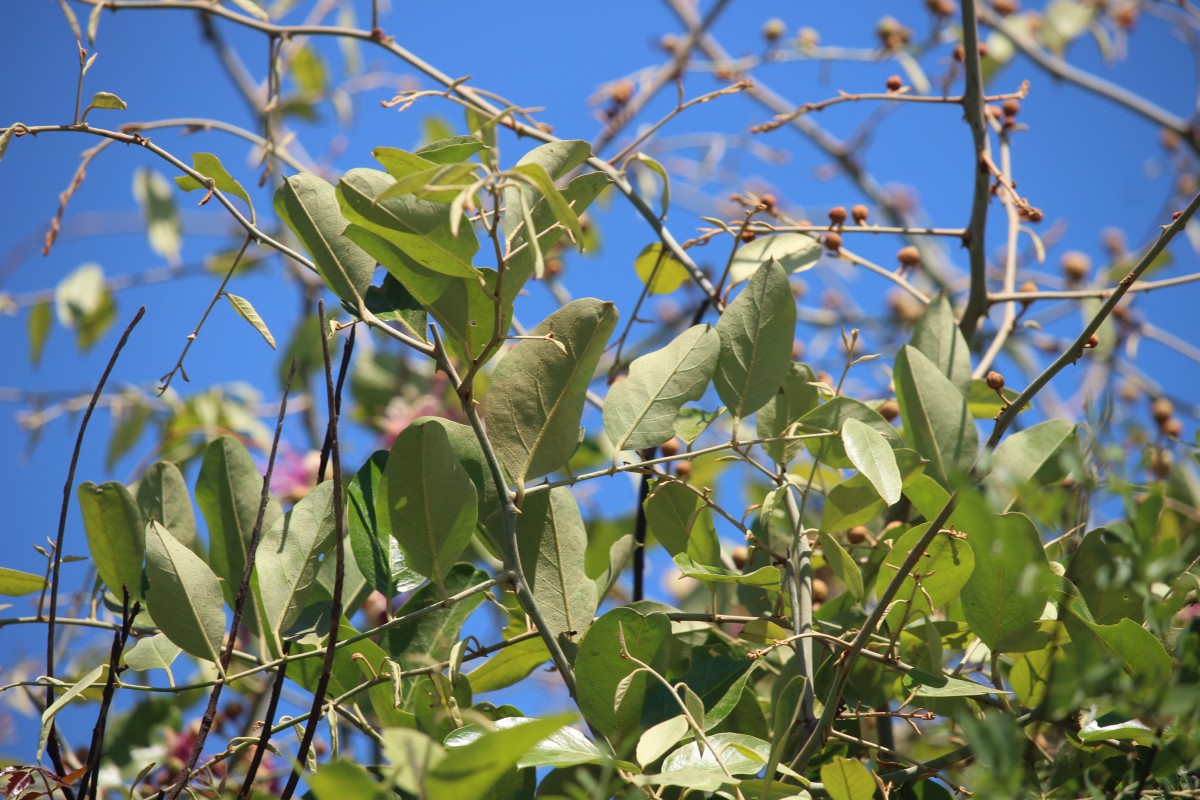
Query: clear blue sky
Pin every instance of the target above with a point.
(1085, 162)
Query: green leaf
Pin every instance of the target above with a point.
(937, 422)
(246, 311)
(832, 416)
(1137, 650)
(929, 684)
(794, 398)
(510, 665)
(741, 754)
(873, 457)
(847, 779)
(692, 422)
(128, 425)
(664, 197)
(211, 167)
(535, 401)
(184, 595)
(660, 271)
(557, 159)
(14, 583)
(937, 335)
(855, 501)
(1128, 730)
(420, 229)
(84, 304)
(115, 534)
(285, 566)
(152, 652)
(1012, 580)
(843, 565)
(566, 747)
(763, 577)
(308, 72)
(463, 307)
(162, 496)
(599, 668)
(155, 195)
(470, 771)
(392, 302)
(451, 150)
(104, 100)
(40, 320)
(681, 522)
(77, 689)
(795, 252)
(1026, 457)
(553, 544)
(660, 738)
(756, 333)
(341, 779)
(382, 563)
(422, 473)
(309, 206)
(1099, 569)
(939, 576)
(540, 179)
(228, 492)
(452, 178)
(640, 411)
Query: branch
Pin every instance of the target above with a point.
(976, 115)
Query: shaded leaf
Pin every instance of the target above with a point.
(152, 652)
(599, 668)
(847, 779)
(763, 577)
(510, 665)
(795, 398)
(77, 689)
(937, 579)
(553, 544)
(566, 747)
(928, 684)
(470, 771)
(681, 522)
(162, 496)
(535, 401)
(40, 320)
(1026, 456)
(155, 195)
(289, 554)
(937, 335)
(309, 206)
(184, 595)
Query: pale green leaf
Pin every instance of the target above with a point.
(184, 595)
(76, 689)
(763, 577)
(659, 270)
(211, 167)
(937, 422)
(155, 195)
(756, 333)
(795, 252)
(664, 198)
(847, 779)
(640, 411)
(115, 534)
(247, 312)
(873, 457)
(15, 583)
(152, 652)
(288, 557)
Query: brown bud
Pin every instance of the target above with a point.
(837, 215)
(749, 235)
(860, 214)
(1028, 287)
(820, 590)
(1012, 107)
(1169, 139)
(1075, 265)
(1006, 7)
(1092, 343)
(858, 534)
(621, 92)
(895, 83)
(768, 201)
(1126, 16)
(833, 242)
(739, 556)
(941, 8)
(889, 410)
(908, 256)
(959, 53)
(774, 29)
(1172, 427)
(683, 469)
(1162, 410)
(995, 381)
(797, 350)
(670, 447)
(553, 267)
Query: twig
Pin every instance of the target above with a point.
(120, 637)
(239, 605)
(264, 739)
(56, 560)
(1010, 269)
(343, 368)
(335, 611)
(976, 115)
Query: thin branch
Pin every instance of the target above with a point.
(975, 112)
(1009, 320)
(56, 559)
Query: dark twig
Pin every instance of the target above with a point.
(343, 368)
(335, 611)
(639, 531)
(976, 115)
(260, 746)
(120, 637)
(239, 605)
(52, 746)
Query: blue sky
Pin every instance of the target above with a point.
(1087, 163)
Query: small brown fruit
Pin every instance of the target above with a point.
(995, 381)
(837, 215)
(1006, 7)
(820, 590)
(1028, 287)
(895, 83)
(860, 214)
(669, 448)
(908, 256)
(1161, 462)
(621, 92)
(748, 235)
(858, 534)
(1162, 410)
(1093, 342)
(739, 556)
(1172, 427)
(768, 201)
(1012, 107)
(889, 410)
(833, 242)
(683, 469)
(1075, 266)
(774, 29)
